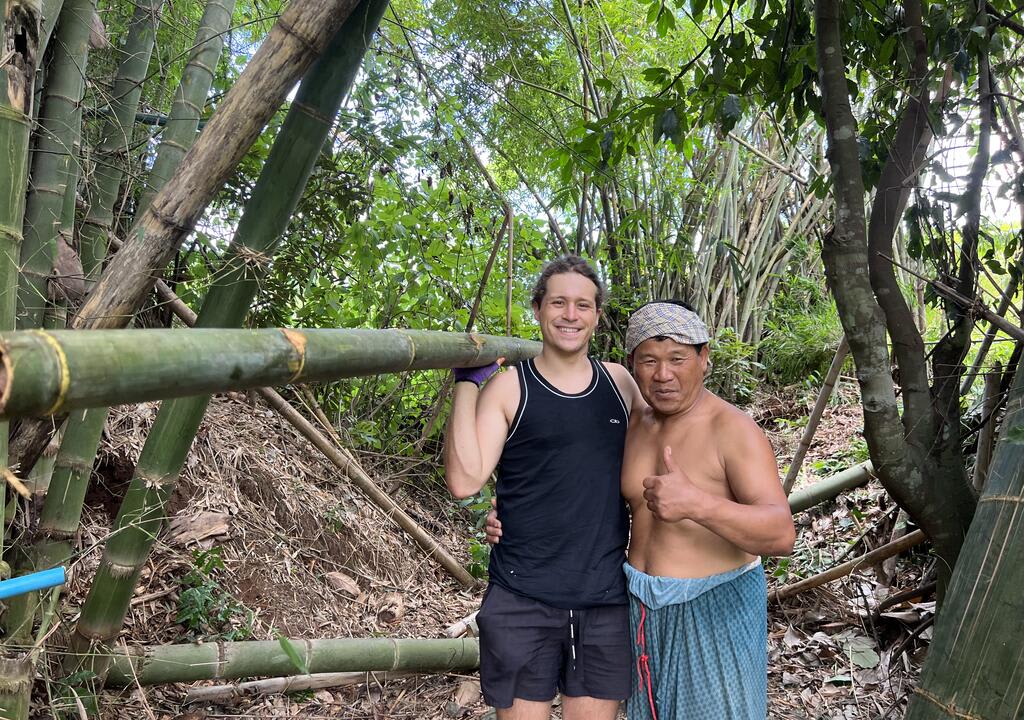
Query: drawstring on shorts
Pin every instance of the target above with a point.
(642, 664)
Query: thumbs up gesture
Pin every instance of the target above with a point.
(671, 496)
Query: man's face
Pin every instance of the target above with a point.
(568, 313)
(670, 375)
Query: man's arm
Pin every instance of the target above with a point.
(477, 428)
(758, 521)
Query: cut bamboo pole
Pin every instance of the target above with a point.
(866, 560)
(343, 460)
(157, 664)
(830, 487)
(360, 479)
(45, 373)
(294, 683)
(816, 412)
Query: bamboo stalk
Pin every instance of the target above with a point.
(19, 31)
(866, 560)
(179, 133)
(116, 135)
(58, 134)
(830, 487)
(294, 683)
(814, 419)
(986, 438)
(45, 373)
(345, 462)
(227, 660)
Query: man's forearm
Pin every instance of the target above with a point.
(463, 462)
(756, 529)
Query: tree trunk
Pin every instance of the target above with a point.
(973, 667)
(58, 134)
(845, 255)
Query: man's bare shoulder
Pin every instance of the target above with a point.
(731, 420)
(502, 389)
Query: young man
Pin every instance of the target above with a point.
(703, 488)
(555, 615)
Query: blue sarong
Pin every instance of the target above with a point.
(702, 643)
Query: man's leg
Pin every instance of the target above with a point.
(588, 708)
(526, 710)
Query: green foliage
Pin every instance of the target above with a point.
(734, 369)
(802, 333)
(479, 551)
(205, 610)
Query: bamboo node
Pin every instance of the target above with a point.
(251, 257)
(298, 341)
(949, 709)
(120, 572)
(62, 365)
(308, 43)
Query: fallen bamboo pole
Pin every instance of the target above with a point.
(815, 417)
(866, 560)
(360, 479)
(342, 459)
(45, 373)
(234, 691)
(156, 664)
(830, 487)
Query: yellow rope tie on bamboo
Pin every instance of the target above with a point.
(949, 709)
(65, 371)
(1002, 498)
(298, 342)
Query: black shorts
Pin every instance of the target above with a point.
(530, 650)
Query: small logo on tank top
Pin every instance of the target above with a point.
(613, 420)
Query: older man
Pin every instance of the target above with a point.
(703, 487)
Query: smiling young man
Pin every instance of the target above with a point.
(555, 615)
(704, 492)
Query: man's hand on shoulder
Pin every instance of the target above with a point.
(476, 375)
(672, 496)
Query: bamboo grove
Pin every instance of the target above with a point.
(346, 166)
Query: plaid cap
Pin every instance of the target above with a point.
(668, 320)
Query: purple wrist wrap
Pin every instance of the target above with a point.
(476, 375)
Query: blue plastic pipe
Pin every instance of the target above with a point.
(27, 583)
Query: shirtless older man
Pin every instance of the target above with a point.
(703, 486)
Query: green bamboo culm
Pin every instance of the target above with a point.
(58, 134)
(62, 507)
(19, 29)
(117, 134)
(973, 667)
(45, 373)
(277, 192)
(189, 97)
(269, 658)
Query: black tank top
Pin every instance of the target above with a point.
(564, 522)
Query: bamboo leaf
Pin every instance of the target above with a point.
(291, 650)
